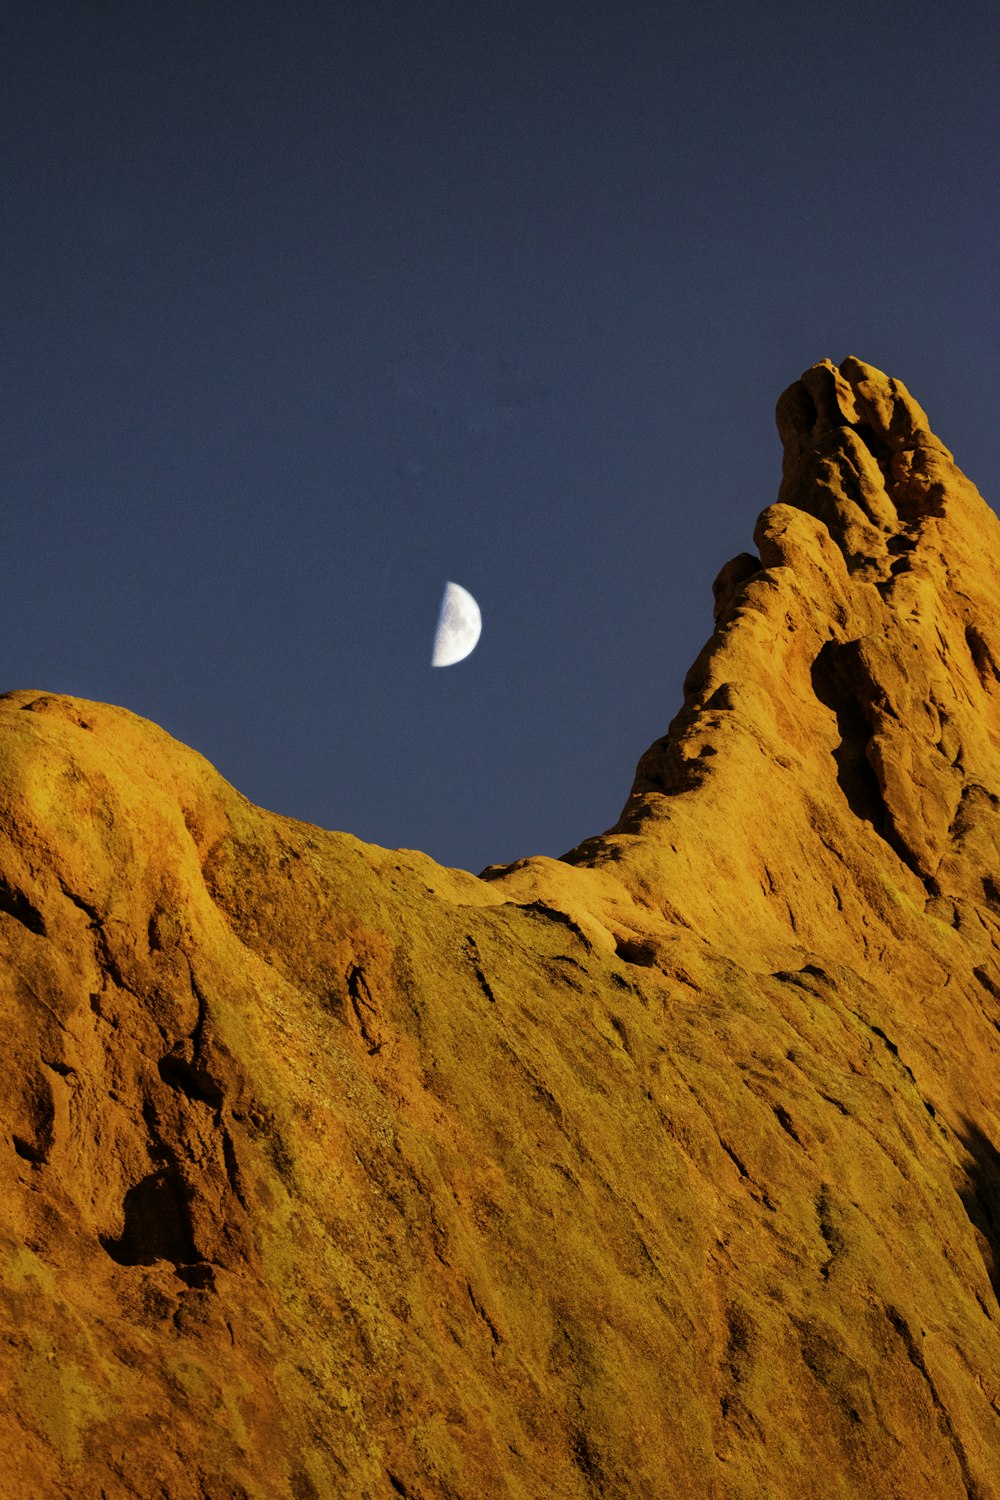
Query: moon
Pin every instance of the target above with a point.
(458, 627)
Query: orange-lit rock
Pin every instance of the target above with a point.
(666, 1169)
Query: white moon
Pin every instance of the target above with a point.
(458, 627)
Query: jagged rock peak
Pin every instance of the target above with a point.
(855, 441)
(848, 699)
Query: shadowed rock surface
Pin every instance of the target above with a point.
(671, 1168)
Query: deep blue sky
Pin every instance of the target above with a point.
(309, 307)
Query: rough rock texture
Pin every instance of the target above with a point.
(667, 1169)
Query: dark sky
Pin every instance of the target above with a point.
(309, 307)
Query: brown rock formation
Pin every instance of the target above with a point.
(667, 1169)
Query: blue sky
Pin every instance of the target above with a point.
(308, 308)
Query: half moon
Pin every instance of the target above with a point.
(458, 627)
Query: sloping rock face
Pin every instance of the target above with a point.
(667, 1169)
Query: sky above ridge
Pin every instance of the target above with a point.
(309, 308)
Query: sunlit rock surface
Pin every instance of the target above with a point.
(667, 1169)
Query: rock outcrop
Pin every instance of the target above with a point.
(670, 1168)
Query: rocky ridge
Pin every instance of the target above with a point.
(667, 1168)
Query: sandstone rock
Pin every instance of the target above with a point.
(667, 1168)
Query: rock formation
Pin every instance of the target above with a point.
(669, 1168)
